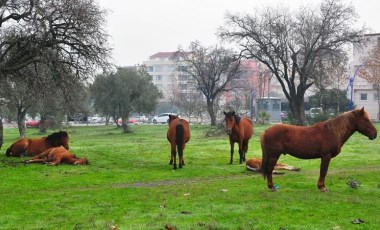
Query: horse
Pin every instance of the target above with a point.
(240, 130)
(254, 164)
(178, 135)
(57, 155)
(34, 146)
(323, 140)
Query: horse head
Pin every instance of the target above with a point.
(81, 161)
(57, 139)
(230, 119)
(364, 124)
(172, 117)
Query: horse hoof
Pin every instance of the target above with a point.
(324, 189)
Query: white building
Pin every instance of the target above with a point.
(161, 66)
(360, 91)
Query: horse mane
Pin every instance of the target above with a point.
(237, 118)
(340, 125)
(56, 135)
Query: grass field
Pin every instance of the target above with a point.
(130, 185)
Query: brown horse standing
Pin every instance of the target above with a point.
(323, 140)
(240, 130)
(34, 146)
(57, 155)
(178, 135)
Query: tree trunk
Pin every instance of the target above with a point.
(378, 103)
(298, 111)
(21, 122)
(21, 127)
(43, 124)
(1, 132)
(210, 109)
(124, 124)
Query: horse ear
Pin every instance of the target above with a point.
(170, 116)
(362, 111)
(225, 113)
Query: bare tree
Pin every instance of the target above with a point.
(293, 44)
(69, 32)
(371, 72)
(60, 34)
(189, 100)
(212, 68)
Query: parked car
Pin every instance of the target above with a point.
(131, 120)
(161, 118)
(32, 124)
(315, 111)
(143, 119)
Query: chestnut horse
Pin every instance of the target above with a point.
(34, 146)
(57, 155)
(323, 140)
(178, 135)
(254, 164)
(240, 130)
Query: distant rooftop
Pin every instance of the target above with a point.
(163, 55)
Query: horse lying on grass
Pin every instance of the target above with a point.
(254, 164)
(57, 155)
(323, 140)
(35, 146)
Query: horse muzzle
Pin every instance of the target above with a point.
(373, 137)
(228, 131)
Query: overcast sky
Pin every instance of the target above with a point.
(140, 28)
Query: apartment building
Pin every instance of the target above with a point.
(360, 91)
(161, 66)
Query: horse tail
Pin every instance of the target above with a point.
(179, 138)
(265, 159)
(8, 152)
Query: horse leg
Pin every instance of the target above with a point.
(181, 157)
(42, 157)
(171, 159)
(325, 161)
(241, 151)
(232, 151)
(245, 149)
(173, 154)
(272, 164)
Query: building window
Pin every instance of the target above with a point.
(182, 68)
(149, 68)
(375, 97)
(276, 106)
(158, 78)
(183, 77)
(363, 96)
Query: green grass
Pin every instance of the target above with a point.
(129, 184)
